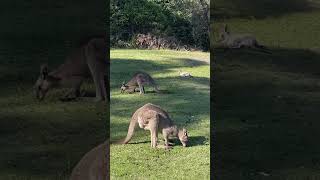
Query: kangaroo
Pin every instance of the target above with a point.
(236, 41)
(153, 118)
(88, 59)
(139, 80)
(184, 74)
(93, 165)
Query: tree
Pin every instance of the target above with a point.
(186, 20)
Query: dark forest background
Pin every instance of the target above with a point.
(185, 20)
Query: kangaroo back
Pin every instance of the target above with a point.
(145, 77)
(151, 81)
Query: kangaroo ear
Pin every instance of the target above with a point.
(185, 132)
(44, 71)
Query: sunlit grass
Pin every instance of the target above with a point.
(186, 101)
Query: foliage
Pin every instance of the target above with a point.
(179, 18)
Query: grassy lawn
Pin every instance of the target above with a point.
(186, 101)
(43, 140)
(267, 106)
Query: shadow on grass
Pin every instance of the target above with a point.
(165, 90)
(224, 9)
(181, 98)
(302, 61)
(166, 85)
(191, 62)
(132, 66)
(193, 141)
(33, 145)
(140, 142)
(197, 141)
(31, 141)
(149, 92)
(87, 95)
(122, 70)
(266, 113)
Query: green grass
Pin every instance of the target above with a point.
(267, 106)
(187, 102)
(44, 140)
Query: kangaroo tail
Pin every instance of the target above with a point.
(156, 88)
(132, 126)
(262, 48)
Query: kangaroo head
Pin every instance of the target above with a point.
(224, 32)
(183, 136)
(124, 87)
(44, 82)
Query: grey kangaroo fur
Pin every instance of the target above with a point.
(87, 60)
(93, 165)
(138, 81)
(153, 118)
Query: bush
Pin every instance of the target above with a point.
(179, 22)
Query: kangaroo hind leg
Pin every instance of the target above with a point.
(141, 87)
(166, 139)
(97, 68)
(153, 124)
(156, 89)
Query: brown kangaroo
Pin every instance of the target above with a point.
(139, 80)
(153, 118)
(93, 165)
(87, 60)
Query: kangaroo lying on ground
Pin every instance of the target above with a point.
(139, 80)
(153, 118)
(93, 165)
(184, 74)
(88, 59)
(236, 41)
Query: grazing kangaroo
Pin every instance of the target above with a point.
(236, 41)
(88, 59)
(139, 80)
(93, 165)
(153, 118)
